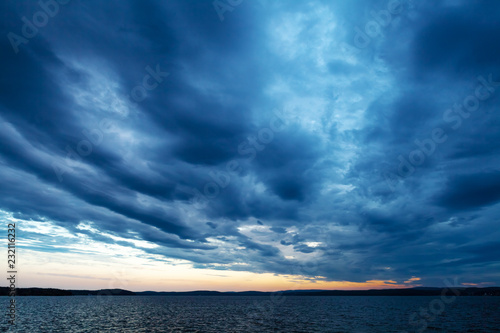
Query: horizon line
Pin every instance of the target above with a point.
(260, 291)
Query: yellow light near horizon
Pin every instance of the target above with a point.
(79, 271)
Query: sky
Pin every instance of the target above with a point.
(251, 145)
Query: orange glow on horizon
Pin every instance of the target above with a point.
(71, 271)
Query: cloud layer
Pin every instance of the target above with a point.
(340, 142)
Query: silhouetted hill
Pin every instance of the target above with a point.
(102, 292)
(420, 291)
(4, 291)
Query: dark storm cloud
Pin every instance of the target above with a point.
(458, 38)
(448, 49)
(46, 118)
(471, 191)
(118, 114)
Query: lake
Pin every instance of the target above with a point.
(254, 314)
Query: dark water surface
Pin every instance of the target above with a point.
(254, 314)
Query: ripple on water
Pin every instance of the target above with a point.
(248, 314)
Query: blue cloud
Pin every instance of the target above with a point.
(93, 129)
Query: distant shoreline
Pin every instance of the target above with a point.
(420, 291)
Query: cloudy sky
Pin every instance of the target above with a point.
(237, 144)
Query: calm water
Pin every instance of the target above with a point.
(253, 314)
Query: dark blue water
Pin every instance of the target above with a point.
(254, 314)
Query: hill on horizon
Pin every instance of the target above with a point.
(418, 291)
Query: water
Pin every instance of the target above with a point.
(253, 314)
